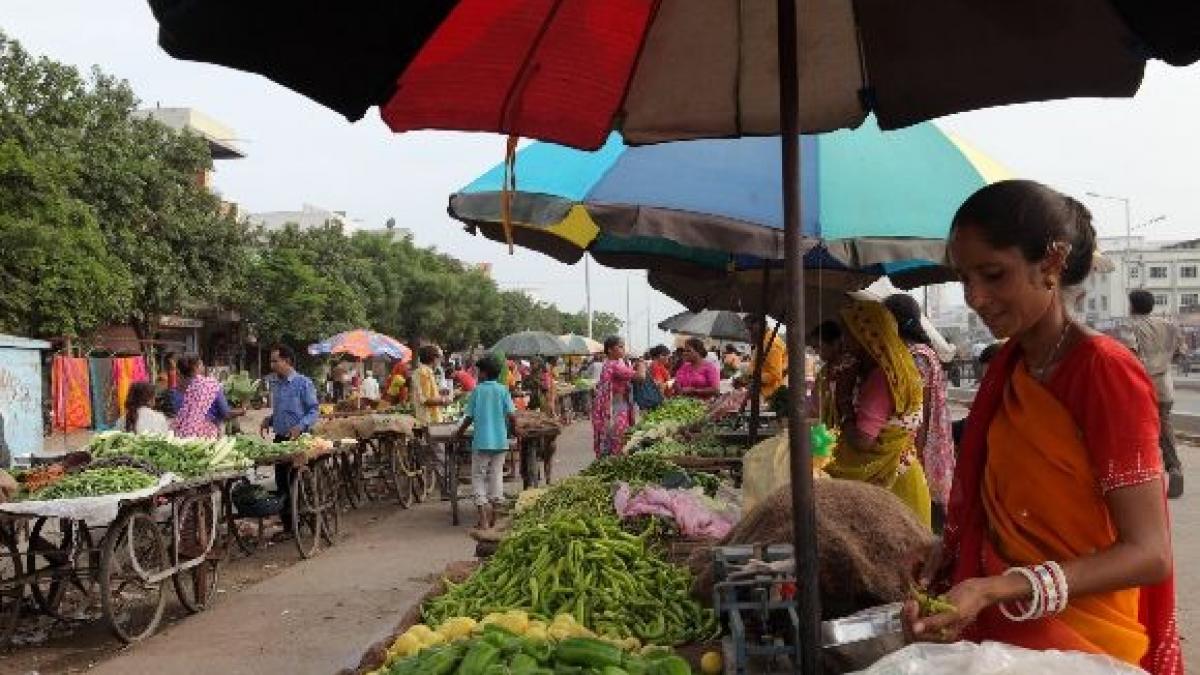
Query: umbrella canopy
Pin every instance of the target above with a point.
(718, 325)
(877, 203)
(362, 343)
(572, 70)
(580, 345)
(531, 343)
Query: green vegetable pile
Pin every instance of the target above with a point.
(498, 651)
(703, 443)
(240, 389)
(683, 411)
(642, 469)
(186, 457)
(608, 579)
(254, 448)
(97, 482)
(579, 497)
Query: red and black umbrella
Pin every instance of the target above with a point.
(572, 70)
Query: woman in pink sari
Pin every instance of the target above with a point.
(202, 408)
(613, 410)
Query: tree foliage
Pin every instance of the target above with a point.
(122, 190)
(103, 221)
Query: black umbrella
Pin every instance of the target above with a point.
(344, 55)
(718, 325)
(531, 343)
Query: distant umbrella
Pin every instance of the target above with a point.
(531, 343)
(579, 345)
(718, 325)
(362, 343)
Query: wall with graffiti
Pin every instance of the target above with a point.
(21, 394)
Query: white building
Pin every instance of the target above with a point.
(307, 218)
(1169, 270)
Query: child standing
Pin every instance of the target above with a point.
(490, 408)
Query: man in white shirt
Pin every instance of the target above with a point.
(1156, 342)
(370, 388)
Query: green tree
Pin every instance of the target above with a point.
(58, 277)
(164, 232)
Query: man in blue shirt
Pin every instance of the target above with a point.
(294, 402)
(294, 409)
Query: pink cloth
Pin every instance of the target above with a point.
(935, 439)
(613, 411)
(875, 405)
(192, 418)
(691, 512)
(699, 376)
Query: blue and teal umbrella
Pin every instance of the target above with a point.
(874, 203)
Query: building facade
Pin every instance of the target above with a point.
(1170, 271)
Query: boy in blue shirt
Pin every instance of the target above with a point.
(490, 408)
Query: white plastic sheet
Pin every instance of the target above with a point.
(993, 658)
(93, 510)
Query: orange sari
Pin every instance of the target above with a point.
(1038, 495)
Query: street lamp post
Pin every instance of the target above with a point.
(1128, 236)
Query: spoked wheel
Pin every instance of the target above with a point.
(306, 519)
(196, 586)
(57, 561)
(329, 498)
(133, 568)
(12, 588)
(399, 470)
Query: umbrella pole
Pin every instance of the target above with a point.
(804, 534)
(756, 381)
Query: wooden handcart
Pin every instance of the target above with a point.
(122, 563)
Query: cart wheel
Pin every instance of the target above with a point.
(329, 498)
(12, 591)
(197, 586)
(54, 561)
(420, 460)
(429, 476)
(360, 473)
(133, 550)
(306, 523)
(452, 479)
(400, 471)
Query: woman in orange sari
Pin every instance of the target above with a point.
(1058, 534)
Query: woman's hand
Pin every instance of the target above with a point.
(969, 598)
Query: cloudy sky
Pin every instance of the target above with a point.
(298, 152)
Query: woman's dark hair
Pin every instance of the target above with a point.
(697, 345)
(489, 367)
(187, 365)
(551, 360)
(989, 352)
(659, 351)
(612, 341)
(1032, 217)
(428, 354)
(828, 331)
(1141, 301)
(141, 395)
(908, 318)
(731, 349)
(285, 352)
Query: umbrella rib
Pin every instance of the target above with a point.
(512, 98)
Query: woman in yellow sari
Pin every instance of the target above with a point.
(877, 440)
(1057, 534)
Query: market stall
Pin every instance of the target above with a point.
(114, 523)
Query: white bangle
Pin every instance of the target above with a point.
(1060, 580)
(1049, 587)
(1034, 607)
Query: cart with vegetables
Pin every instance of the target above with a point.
(316, 492)
(112, 535)
(384, 463)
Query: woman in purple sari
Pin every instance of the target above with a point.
(613, 410)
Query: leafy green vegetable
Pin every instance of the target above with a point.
(97, 482)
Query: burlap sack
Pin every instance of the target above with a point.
(867, 540)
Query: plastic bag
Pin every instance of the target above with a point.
(993, 658)
(765, 468)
